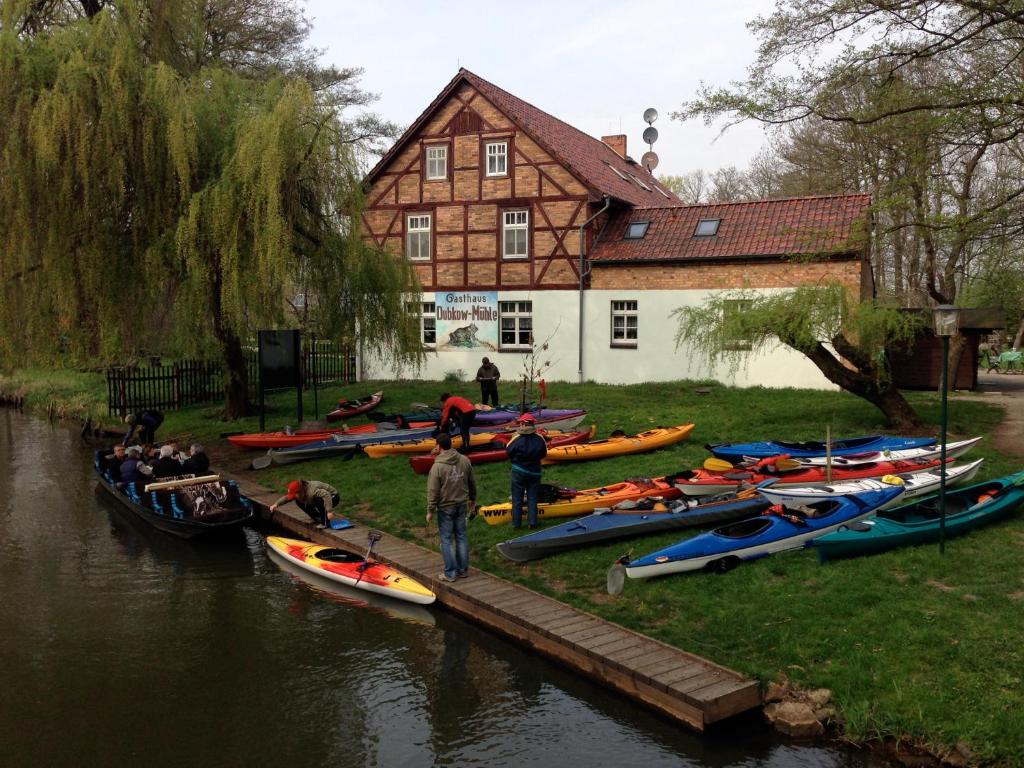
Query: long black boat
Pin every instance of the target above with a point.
(189, 511)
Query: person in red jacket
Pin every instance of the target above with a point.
(460, 411)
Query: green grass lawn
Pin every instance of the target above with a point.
(912, 644)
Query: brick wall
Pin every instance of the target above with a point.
(776, 274)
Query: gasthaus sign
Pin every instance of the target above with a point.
(467, 320)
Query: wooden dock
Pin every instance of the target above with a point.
(678, 684)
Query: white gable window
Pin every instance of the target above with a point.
(497, 158)
(417, 237)
(437, 162)
(515, 234)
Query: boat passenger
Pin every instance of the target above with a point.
(197, 463)
(526, 450)
(167, 465)
(147, 422)
(133, 469)
(459, 411)
(112, 463)
(316, 499)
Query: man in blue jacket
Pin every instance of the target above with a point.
(526, 450)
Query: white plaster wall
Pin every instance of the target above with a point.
(556, 313)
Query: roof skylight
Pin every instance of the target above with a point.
(707, 228)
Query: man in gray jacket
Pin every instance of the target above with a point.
(451, 493)
(316, 499)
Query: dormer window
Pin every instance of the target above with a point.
(707, 228)
(497, 158)
(636, 230)
(437, 162)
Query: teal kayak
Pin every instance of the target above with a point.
(919, 522)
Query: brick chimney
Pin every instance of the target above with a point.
(618, 143)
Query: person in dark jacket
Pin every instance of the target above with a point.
(197, 463)
(525, 451)
(133, 468)
(147, 422)
(460, 411)
(167, 465)
(112, 462)
(487, 375)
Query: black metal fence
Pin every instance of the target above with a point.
(167, 387)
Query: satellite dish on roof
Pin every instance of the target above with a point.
(650, 134)
(650, 115)
(649, 160)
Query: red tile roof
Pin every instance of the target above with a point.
(589, 159)
(761, 228)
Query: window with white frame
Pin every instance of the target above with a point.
(417, 237)
(516, 318)
(624, 323)
(437, 162)
(497, 158)
(732, 309)
(515, 234)
(426, 316)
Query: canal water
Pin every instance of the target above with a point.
(120, 645)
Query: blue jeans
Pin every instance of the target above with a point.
(451, 524)
(524, 485)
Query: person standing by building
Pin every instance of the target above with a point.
(488, 375)
(526, 450)
(316, 499)
(451, 494)
(147, 422)
(460, 411)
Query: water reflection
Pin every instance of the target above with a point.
(123, 645)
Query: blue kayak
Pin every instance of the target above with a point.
(850, 446)
(776, 531)
(646, 516)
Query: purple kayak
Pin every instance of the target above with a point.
(541, 414)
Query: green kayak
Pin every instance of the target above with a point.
(918, 522)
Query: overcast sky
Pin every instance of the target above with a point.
(597, 65)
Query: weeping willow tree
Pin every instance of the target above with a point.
(154, 205)
(848, 341)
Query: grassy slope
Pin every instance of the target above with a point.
(912, 644)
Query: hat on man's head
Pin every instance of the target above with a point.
(293, 489)
(527, 418)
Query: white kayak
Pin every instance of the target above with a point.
(914, 484)
(953, 450)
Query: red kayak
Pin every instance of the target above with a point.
(495, 450)
(348, 408)
(706, 482)
(303, 436)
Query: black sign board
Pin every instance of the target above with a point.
(280, 365)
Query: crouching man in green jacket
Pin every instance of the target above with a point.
(316, 499)
(451, 493)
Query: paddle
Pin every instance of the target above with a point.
(262, 462)
(372, 538)
(616, 578)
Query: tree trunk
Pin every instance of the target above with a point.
(884, 396)
(236, 378)
(957, 346)
(1019, 338)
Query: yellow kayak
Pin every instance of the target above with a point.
(585, 502)
(351, 570)
(381, 450)
(423, 446)
(651, 440)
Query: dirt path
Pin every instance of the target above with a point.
(1007, 391)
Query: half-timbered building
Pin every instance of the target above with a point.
(524, 230)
